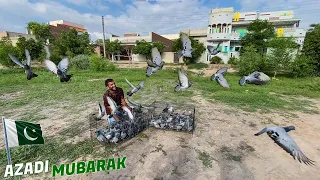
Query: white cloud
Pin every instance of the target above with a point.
(307, 10)
(141, 17)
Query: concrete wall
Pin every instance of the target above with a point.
(171, 36)
(168, 57)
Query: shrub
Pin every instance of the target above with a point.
(302, 66)
(4, 57)
(233, 61)
(216, 60)
(197, 66)
(250, 61)
(80, 61)
(98, 63)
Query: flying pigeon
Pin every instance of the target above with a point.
(27, 67)
(257, 78)
(102, 111)
(60, 70)
(156, 58)
(184, 83)
(280, 137)
(218, 76)
(134, 88)
(213, 50)
(151, 70)
(187, 49)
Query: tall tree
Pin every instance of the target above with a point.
(145, 48)
(41, 31)
(113, 47)
(99, 42)
(258, 35)
(199, 49)
(35, 47)
(282, 52)
(5, 48)
(311, 46)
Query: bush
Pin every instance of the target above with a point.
(302, 67)
(216, 60)
(250, 61)
(233, 61)
(80, 62)
(98, 63)
(4, 57)
(197, 66)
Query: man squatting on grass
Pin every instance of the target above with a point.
(116, 93)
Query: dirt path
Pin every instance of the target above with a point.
(222, 147)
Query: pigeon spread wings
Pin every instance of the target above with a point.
(222, 81)
(47, 52)
(28, 57)
(156, 57)
(183, 79)
(222, 70)
(186, 42)
(15, 60)
(51, 66)
(63, 65)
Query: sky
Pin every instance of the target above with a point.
(140, 16)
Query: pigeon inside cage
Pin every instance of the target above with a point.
(173, 117)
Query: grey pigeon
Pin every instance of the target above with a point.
(168, 109)
(184, 82)
(186, 45)
(213, 50)
(218, 76)
(201, 73)
(152, 70)
(280, 137)
(134, 88)
(156, 57)
(257, 78)
(60, 70)
(101, 138)
(27, 67)
(102, 111)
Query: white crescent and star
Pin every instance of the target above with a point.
(27, 136)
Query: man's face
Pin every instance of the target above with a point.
(112, 85)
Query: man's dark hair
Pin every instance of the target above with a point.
(107, 81)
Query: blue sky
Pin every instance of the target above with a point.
(139, 16)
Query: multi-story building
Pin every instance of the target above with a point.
(228, 27)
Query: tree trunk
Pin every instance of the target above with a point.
(112, 57)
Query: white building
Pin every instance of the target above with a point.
(228, 27)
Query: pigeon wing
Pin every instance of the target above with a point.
(51, 66)
(156, 57)
(131, 85)
(151, 63)
(16, 60)
(222, 70)
(112, 104)
(47, 52)
(222, 81)
(288, 144)
(149, 71)
(210, 49)
(28, 57)
(63, 65)
(186, 42)
(183, 79)
(140, 85)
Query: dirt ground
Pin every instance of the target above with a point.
(222, 147)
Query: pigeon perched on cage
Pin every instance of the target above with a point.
(257, 78)
(60, 70)
(27, 66)
(280, 136)
(186, 45)
(218, 76)
(184, 82)
(134, 88)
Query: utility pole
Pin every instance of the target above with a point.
(104, 46)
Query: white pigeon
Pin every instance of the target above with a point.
(60, 70)
(184, 82)
(102, 111)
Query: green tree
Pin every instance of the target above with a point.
(282, 51)
(250, 61)
(145, 48)
(35, 47)
(41, 31)
(303, 66)
(70, 43)
(113, 47)
(5, 48)
(99, 41)
(199, 49)
(311, 45)
(258, 35)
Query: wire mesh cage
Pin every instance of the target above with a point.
(173, 117)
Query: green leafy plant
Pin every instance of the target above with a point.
(303, 66)
(233, 61)
(98, 63)
(81, 61)
(216, 60)
(250, 61)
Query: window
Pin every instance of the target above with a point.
(231, 54)
(237, 48)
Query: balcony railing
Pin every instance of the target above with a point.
(219, 36)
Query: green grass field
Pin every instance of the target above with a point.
(45, 91)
